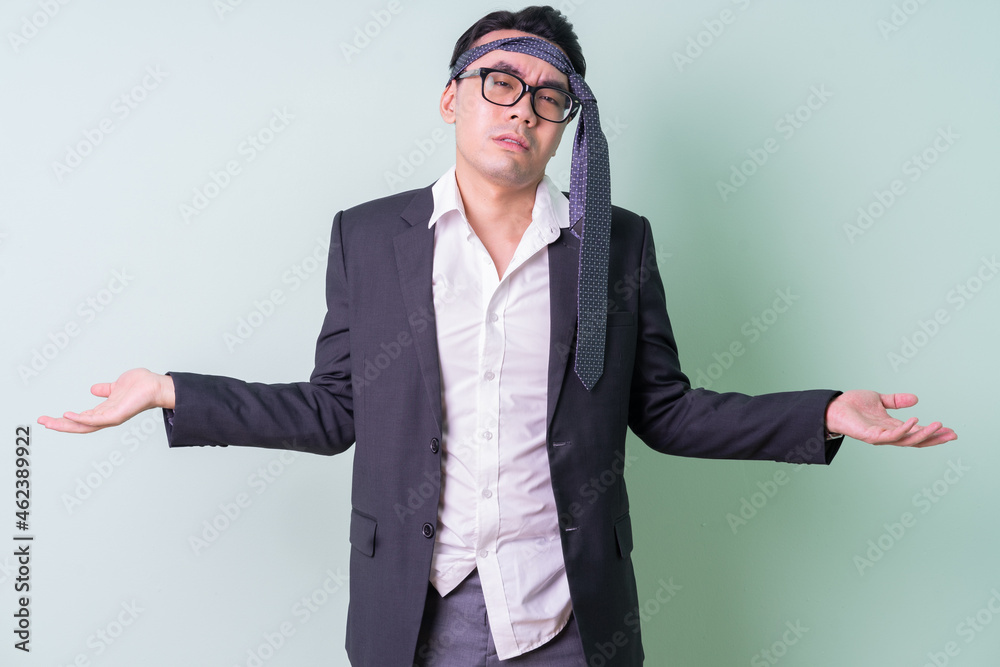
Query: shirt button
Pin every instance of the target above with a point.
(489, 375)
(487, 493)
(435, 445)
(484, 553)
(494, 317)
(427, 530)
(488, 435)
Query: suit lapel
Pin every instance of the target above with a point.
(415, 262)
(564, 261)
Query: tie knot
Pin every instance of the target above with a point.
(580, 88)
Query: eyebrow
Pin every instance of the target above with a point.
(505, 66)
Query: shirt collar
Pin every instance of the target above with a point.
(551, 210)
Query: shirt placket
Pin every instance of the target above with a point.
(492, 343)
(496, 293)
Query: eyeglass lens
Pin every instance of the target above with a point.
(551, 104)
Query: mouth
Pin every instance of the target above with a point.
(512, 141)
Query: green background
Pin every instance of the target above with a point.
(676, 129)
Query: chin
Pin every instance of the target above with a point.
(509, 174)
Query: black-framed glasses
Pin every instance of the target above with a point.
(504, 89)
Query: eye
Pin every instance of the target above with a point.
(554, 98)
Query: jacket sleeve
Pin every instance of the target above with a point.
(315, 416)
(672, 417)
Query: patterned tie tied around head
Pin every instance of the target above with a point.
(589, 199)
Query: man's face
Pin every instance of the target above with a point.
(480, 126)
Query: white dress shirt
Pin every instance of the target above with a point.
(497, 510)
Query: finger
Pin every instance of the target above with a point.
(920, 435)
(94, 417)
(102, 389)
(66, 425)
(898, 401)
(900, 431)
(942, 436)
(925, 434)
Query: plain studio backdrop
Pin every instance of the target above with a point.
(822, 183)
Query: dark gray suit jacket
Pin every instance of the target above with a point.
(377, 383)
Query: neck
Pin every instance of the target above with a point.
(494, 209)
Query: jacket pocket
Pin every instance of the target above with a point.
(623, 535)
(363, 532)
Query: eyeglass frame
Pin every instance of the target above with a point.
(525, 88)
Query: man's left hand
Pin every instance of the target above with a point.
(862, 415)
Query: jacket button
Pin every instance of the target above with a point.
(428, 530)
(435, 445)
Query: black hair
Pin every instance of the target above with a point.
(543, 21)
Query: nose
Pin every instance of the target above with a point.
(523, 109)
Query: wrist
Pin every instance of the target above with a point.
(165, 392)
(831, 428)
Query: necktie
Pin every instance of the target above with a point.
(589, 199)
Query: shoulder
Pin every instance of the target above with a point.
(395, 204)
(627, 227)
(382, 218)
(623, 216)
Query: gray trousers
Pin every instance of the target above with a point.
(455, 632)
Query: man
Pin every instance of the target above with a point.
(456, 353)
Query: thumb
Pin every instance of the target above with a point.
(102, 389)
(897, 401)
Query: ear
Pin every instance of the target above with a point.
(449, 101)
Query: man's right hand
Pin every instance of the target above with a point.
(135, 391)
